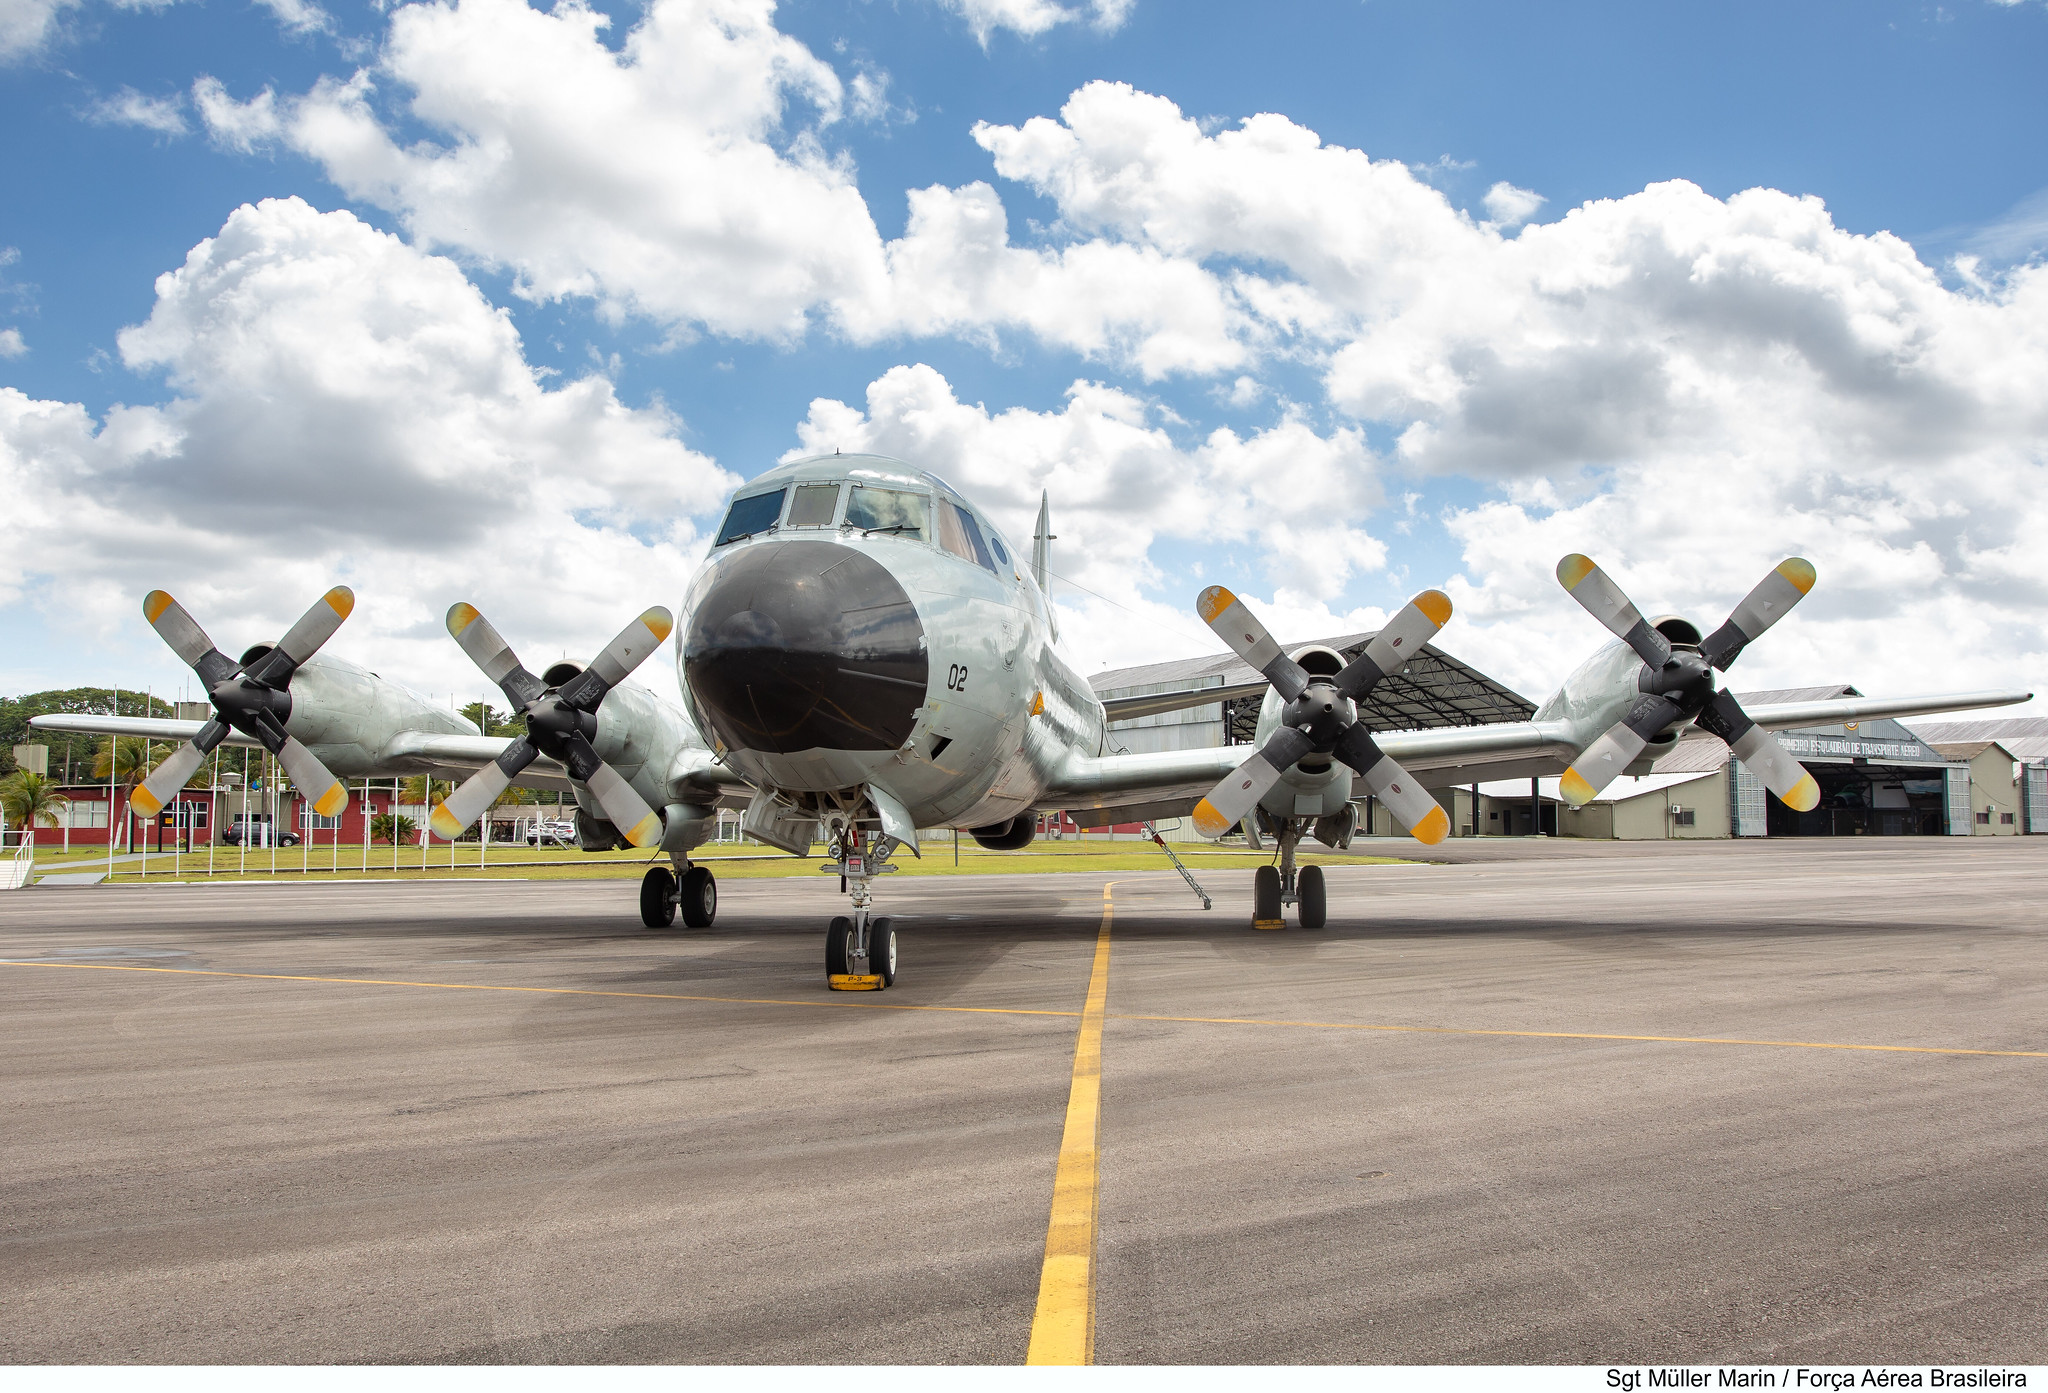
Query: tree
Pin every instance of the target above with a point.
(390, 827)
(67, 752)
(421, 789)
(29, 800)
(128, 759)
(491, 721)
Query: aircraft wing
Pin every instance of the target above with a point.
(1792, 715)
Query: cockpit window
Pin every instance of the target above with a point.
(890, 512)
(995, 544)
(750, 515)
(814, 505)
(959, 534)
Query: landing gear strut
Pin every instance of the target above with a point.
(1275, 887)
(860, 951)
(663, 892)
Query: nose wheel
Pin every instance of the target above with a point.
(663, 894)
(1276, 887)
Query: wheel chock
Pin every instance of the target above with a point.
(854, 981)
(1269, 923)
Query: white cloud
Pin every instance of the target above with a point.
(348, 409)
(1509, 206)
(299, 16)
(27, 26)
(1119, 485)
(128, 107)
(236, 125)
(12, 345)
(1030, 18)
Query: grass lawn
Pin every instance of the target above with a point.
(741, 861)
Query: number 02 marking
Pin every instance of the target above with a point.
(956, 678)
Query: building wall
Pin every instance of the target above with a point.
(1994, 790)
(1595, 820)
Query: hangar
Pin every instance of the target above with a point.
(1877, 777)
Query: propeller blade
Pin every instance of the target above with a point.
(310, 777)
(623, 808)
(177, 628)
(1764, 606)
(453, 814)
(1231, 801)
(489, 651)
(168, 779)
(1602, 598)
(1601, 762)
(1238, 627)
(618, 660)
(1411, 804)
(1760, 750)
(1391, 648)
(303, 639)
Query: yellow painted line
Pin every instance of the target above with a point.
(1063, 1328)
(547, 991)
(1586, 1035)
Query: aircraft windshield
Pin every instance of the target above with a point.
(959, 534)
(890, 511)
(750, 515)
(814, 505)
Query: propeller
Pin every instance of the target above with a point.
(253, 697)
(1321, 715)
(1678, 683)
(559, 724)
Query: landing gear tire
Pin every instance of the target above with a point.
(882, 951)
(699, 897)
(1266, 898)
(658, 898)
(838, 940)
(1314, 906)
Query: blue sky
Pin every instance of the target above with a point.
(1920, 121)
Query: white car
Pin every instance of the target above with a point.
(551, 834)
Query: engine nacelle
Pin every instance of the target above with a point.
(1014, 835)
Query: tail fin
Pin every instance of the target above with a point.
(1041, 545)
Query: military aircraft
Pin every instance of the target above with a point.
(863, 654)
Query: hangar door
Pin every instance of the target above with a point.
(1956, 784)
(2034, 804)
(1749, 815)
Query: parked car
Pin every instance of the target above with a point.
(255, 828)
(548, 833)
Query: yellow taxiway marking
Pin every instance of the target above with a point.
(871, 1005)
(1063, 1328)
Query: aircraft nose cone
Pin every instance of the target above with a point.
(804, 645)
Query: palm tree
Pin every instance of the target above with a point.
(28, 799)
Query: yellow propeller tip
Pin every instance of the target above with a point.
(659, 622)
(1799, 571)
(1573, 569)
(460, 616)
(1804, 796)
(1436, 605)
(1574, 788)
(647, 831)
(1209, 822)
(145, 802)
(1212, 602)
(155, 603)
(1433, 828)
(444, 824)
(332, 802)
(341, 600)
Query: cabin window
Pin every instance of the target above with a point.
(813, 505)
(887, 512)
(959, 534)
(750, 515)
(995, 544)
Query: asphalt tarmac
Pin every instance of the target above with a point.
(502, 1122)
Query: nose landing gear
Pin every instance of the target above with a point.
(860, 951)
(663, 893)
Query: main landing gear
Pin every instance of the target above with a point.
(663, 893)
(860, 951)
(1274, 887)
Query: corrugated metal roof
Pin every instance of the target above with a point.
(1435, 689)
(1790, 694)
(1696, 754)
(1963, 751)
(2012, 726)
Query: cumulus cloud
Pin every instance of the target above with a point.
(1509, 206)
(128, 107)
(27, 26)
(12, 345)
(1119, 484)
(1030, 18)
(349, 409)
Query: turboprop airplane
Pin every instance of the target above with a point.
(863, 655)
